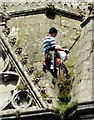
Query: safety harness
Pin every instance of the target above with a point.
(50, 62)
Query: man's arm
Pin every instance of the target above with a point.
(59, 48)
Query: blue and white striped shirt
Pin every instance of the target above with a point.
(49, 43)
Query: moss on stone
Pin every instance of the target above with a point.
(64, 97)
(63, 108)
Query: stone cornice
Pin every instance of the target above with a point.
(31, 114)
(58, 11)
(87, 20)
(67, 9)
(80, 111)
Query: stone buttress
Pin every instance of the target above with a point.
(83, 85)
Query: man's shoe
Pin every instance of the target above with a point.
(44, 69)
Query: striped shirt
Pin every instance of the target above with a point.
(49, 43)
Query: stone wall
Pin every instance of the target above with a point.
(83, 82)
(83, 75)
(83, 85)
(29, 33)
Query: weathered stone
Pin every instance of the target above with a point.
(29, 24)
(83, 83)
(81, 111)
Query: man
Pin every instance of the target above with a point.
(50, 45)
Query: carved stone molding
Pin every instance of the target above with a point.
(22, 99)
(4, 60)
(9, 82)
(91, 8)
(81, 111)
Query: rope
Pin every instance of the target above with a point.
(74, 43)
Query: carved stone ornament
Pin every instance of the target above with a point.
(91, 8)
(24, 60)
(9, 82)
(12, 41)
(18, 51)
(22, 99)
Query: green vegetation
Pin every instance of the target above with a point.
(38, 73)
(63, 108)
(64, 97)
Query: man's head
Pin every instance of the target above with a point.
(53, 32)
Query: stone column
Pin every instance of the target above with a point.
(83, 85)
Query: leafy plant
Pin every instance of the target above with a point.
(64, 97)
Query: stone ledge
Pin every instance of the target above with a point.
(81, 111)
(34, 115)
(87, 21)
(58, 11)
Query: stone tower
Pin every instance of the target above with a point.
(26, 92)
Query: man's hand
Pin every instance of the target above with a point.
(66, 51)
